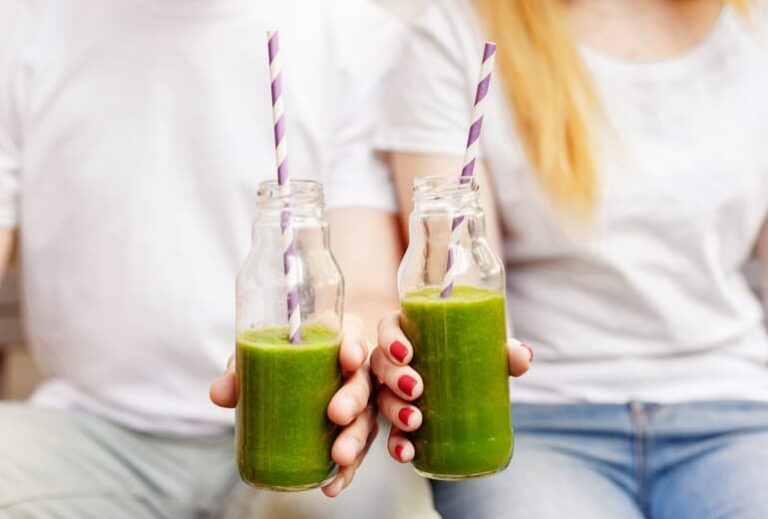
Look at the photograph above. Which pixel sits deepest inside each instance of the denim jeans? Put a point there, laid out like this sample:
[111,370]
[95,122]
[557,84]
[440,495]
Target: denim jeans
[696,460]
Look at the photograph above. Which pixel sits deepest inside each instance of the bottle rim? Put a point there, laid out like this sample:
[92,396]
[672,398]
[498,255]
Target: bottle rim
[299,193]
[443,187]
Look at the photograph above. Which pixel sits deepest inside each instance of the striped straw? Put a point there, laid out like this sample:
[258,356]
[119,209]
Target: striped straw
[470,158]
[283,180]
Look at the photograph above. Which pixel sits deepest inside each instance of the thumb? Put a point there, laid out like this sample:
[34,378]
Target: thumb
[520,357]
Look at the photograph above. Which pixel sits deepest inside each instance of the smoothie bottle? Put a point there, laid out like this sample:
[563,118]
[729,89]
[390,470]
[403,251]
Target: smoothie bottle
[283,435]
[459,342]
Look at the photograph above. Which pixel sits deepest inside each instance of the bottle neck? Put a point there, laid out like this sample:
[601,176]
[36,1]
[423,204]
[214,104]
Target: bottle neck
[447,232]
[451,195]
[302,198]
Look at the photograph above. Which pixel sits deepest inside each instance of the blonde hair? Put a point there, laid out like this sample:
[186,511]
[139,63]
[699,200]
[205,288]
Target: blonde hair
[550,93]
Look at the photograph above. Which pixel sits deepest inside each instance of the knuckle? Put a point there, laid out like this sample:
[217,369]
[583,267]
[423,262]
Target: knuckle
[389,321]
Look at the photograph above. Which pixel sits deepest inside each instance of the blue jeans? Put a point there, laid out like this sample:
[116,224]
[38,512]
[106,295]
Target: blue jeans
[698,460]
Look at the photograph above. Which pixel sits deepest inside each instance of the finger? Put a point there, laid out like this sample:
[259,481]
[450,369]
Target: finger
[399,413]
[349,450]
[393,341]
[353,439]
[403,380]
[400,448]
[354,347]
[223,390]
[351,399]
[346,473]
[520,356]
[343,478]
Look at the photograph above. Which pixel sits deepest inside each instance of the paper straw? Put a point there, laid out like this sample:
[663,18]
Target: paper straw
[283,180]
[470,158]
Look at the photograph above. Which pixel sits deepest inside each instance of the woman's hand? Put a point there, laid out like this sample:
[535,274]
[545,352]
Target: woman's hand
[349,407]
[401,384]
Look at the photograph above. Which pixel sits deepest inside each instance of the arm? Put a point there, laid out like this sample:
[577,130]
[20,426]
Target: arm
[7,240]
[761,253]
[368,247]
[13,32]
[7,244]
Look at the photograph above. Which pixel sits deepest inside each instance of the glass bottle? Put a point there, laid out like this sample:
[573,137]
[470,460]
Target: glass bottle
[459,342]
[283,434]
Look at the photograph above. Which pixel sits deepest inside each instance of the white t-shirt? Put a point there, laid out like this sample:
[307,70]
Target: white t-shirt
[133,136]
[651,305]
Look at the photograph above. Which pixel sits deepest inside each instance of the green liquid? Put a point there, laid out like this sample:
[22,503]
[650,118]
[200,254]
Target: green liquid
[459,348]
[284,436]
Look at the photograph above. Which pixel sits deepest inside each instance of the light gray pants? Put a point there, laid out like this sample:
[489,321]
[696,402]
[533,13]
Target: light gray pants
[61,465]
[65,465]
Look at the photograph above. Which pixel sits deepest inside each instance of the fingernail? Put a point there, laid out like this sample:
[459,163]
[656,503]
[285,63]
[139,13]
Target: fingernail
[399,452]
[398,351]
[530,350]
[337,485]
[404,414]
[406,383]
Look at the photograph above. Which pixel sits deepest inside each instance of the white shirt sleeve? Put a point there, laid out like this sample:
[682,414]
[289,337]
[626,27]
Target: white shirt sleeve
[761,15]
[10,20]
[431,94]
[365,49]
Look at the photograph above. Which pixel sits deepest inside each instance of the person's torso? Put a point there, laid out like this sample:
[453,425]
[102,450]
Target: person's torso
[650,303]
[147,128]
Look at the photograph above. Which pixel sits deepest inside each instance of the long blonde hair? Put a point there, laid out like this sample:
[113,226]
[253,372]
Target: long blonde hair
[551,94]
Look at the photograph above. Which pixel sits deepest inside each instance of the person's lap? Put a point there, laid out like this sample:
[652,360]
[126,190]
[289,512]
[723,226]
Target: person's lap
[556,471]
[57,464]
[382,489]
[697,460]
[61,465]
[722,468]
[540,484]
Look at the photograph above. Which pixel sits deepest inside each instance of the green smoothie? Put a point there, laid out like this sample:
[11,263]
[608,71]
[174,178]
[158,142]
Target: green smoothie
[459,349]
[284,436]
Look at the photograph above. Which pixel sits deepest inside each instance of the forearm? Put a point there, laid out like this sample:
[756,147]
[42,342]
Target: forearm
[370,306]
[368,247]
[7,241]
[761,253]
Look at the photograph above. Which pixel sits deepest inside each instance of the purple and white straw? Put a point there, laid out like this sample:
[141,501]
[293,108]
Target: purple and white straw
[470,158]
[283,180]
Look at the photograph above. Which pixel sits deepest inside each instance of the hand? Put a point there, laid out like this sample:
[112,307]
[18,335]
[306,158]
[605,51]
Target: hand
[348,408]
[402,384]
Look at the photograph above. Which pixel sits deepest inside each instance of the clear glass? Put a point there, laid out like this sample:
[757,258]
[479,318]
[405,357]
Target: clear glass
[283,434]
[459,341]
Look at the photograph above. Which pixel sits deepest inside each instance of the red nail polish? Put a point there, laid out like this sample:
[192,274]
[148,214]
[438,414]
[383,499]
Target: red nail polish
[404,414]
[406,383]
[398,351]
[530,350]
[399,452]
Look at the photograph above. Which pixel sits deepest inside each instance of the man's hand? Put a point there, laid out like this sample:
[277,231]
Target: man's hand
[349,407]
